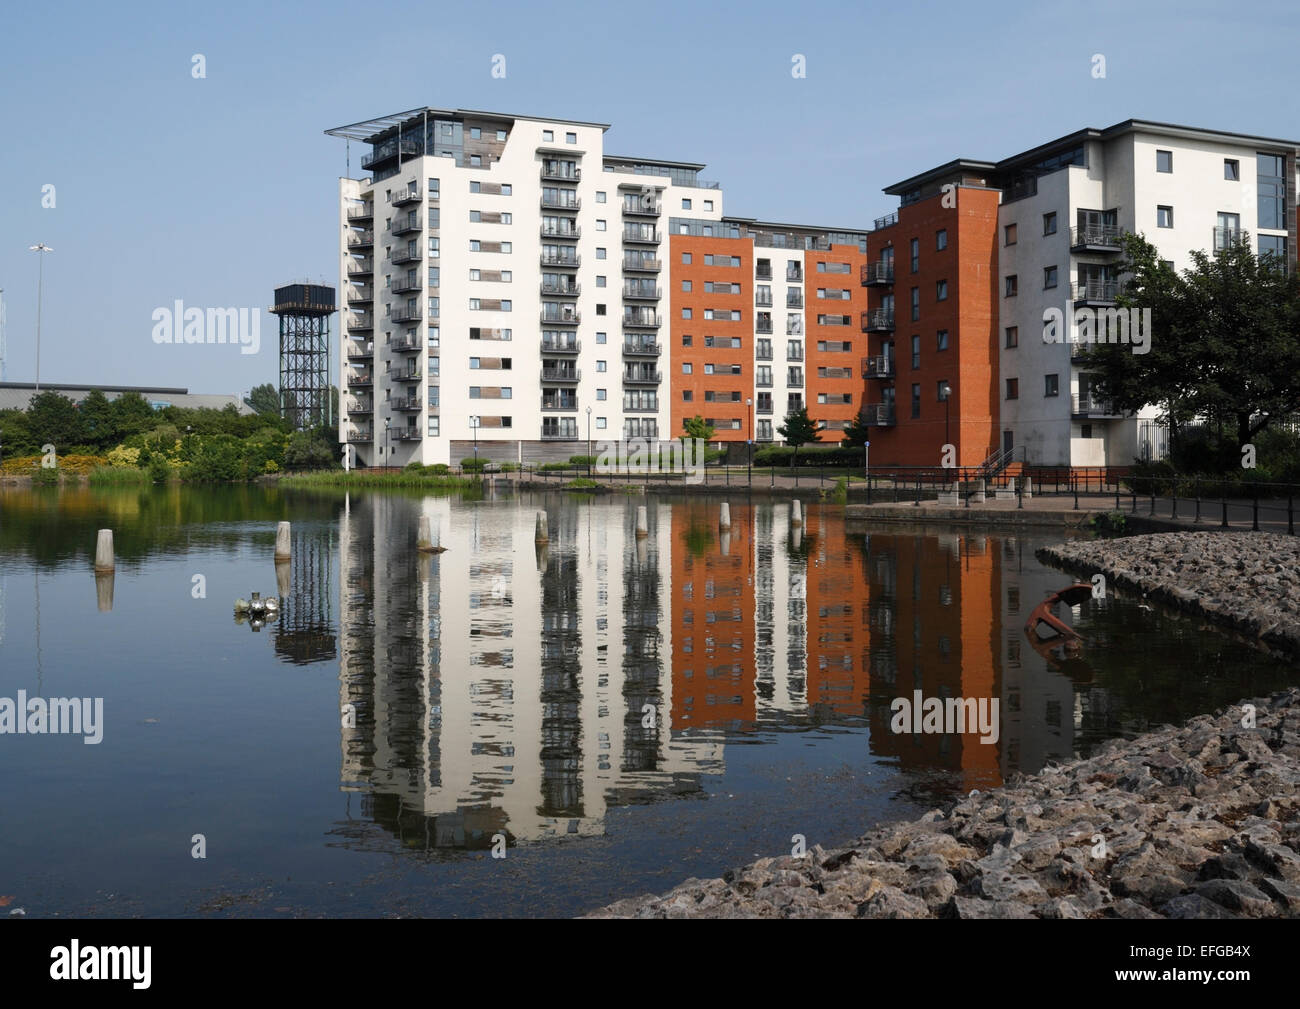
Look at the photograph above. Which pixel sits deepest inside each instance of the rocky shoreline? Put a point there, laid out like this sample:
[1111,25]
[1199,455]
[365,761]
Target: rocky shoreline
[1246,581]
[1201,821]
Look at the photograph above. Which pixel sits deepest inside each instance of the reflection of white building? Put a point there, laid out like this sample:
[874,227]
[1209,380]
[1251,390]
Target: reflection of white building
[503,687]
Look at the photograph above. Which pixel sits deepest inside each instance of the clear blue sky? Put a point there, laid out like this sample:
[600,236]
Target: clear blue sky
[215,191]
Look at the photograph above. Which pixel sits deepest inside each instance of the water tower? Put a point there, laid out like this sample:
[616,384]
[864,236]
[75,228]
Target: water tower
[304,311]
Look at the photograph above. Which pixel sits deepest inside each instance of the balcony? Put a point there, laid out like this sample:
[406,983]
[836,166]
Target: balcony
[645,236]
[880,366]
[360,295]
[561,172]
[793,300]
[360,406]
[877,320]
[884,222]
[794,355]
[407,314]
[763,326]
[880,274]
[642,264]
[572,262]
[364,212]
[1087,405]
[361,268]
[762,408]
[407,255]
[404,434]
[642,377]
[639,208]
[1224,237]
[1096,238]
[559,404]
[639,348]
[404,376]
[763,382]
[405,344]
[550,347]
[361,380]
[361,351]
[567,434]
[643,293]
[565,200]
[763,299]
[643,320]
[361,239]
[412,223]
[561,376]
[410,196]
[389,150]
[404,286]
[360,323]
[358,436]
[570,232]
[763,273]
[878,415]
[763,353]
[1096,292]
[407,404]
[561,290]
[569,318]
[793,276]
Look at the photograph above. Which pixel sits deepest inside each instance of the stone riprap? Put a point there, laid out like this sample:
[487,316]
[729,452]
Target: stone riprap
[1246,581]
[1201,821]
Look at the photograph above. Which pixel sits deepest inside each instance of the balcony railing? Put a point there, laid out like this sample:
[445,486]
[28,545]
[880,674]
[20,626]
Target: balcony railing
[642,349]
[880,366]
[407,404]
[405,434]
[361,351]
[390,149]
[643,293]
[763,272]
[1087,405]
[878,415]
[642,377]
[407,255]
[406,196]
[763,354]
[763,382]
[572,262]
[557,231]
[794,276]
[360,295]
[1224,237]
[561,173]
[565,434]
[405,344]
[884,222]
[879,274]
[360,239]
[562,202]
[644,264]
[364,212]
[877,320]
[361,380]
[562,318]
[640,208]
[567,376]
[763,326]
[1096,238]
[1096,292]
[360,323]
[549,347]
[793,300]
[643,320]
[359,436]
[647,236]
[568,404]
[407,314]
[360,406]
[404,376]
[561,290]
[763,300]
[361,268]
[402,286]
[412,223]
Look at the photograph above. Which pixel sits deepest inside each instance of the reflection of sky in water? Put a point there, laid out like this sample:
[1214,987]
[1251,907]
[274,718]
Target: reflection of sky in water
[650,709]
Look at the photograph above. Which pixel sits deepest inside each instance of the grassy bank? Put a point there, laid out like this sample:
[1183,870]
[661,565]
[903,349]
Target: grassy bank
[370,478]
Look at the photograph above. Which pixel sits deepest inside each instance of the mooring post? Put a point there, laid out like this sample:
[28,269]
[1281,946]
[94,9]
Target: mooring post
[724,516]
[1028,492]
[796,512]
[282,539]
[642,522]
[541,535]
[424,538]
[283,579]
[104,559]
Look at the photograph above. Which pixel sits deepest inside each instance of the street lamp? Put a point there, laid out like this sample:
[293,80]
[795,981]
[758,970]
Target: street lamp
[945,393]
[387,422]
[39,247]
[473,423]
[588,443]
[749,461]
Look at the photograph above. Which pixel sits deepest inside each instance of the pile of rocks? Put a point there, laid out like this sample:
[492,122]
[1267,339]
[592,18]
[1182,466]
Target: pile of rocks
[1247,581]
[1194,822]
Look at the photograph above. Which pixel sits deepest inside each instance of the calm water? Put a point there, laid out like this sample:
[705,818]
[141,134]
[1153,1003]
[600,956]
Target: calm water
[624,713]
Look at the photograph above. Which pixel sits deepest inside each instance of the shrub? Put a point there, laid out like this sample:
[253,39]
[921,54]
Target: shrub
[582,483]
[509,467]
[783,455]
[45,476]
[122,456]
[582,460]
[474,465]
[414,467]
[159,469]
[439,469]
[110,476]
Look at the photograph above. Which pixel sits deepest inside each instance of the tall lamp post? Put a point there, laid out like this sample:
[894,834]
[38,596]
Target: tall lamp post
[40,248]
[749,460]
[473,424]
[945,394]
[588,443]
[387,423]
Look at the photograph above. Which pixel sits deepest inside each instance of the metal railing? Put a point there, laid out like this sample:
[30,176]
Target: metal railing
[881,272]
[879,366]
[878,415]
[550,347]
[1103,291]
[1104,237]
[877,320]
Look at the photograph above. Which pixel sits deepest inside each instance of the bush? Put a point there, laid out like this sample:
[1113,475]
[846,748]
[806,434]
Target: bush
[159,469]
[509,467]
[439,469]
[414,467]
[117,476]
[123,457]
[474,465]
[582,483]
[583,460]
[784,455]
[45,476]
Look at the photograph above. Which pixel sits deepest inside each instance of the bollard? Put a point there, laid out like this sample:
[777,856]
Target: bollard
[104,590]
[724,542]
[724,516]
[980,492]
[1028,492]
[642,522]
[541,535]
[104,560]
[796,512]
[424,538]
[282,541]
[796,537]
[282,579]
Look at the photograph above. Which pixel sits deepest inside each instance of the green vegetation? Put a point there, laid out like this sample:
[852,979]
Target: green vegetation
[425,477]
[799,429]
[830,455]
[697,427]
[119,476]
[582,483]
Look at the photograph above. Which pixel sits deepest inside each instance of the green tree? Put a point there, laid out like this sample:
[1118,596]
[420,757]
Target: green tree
[54,419]
[264,399]
[697,427]
[857,434]
[132,414]
[799,429]
[1222,344]
[99,426]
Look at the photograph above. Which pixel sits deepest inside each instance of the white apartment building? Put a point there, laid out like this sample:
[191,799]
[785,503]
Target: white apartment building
[503,288]
[1064,207]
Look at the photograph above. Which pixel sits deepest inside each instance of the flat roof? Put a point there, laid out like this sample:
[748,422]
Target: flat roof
[368,129]
[657,162]
[101,388]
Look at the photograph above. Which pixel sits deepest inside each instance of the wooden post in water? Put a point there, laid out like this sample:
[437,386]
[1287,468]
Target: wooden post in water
[104,590]
[424,538]
[283,581]
[282,539]
[542,535]
[642,522]
[104,559]
[796,512]
[724,516]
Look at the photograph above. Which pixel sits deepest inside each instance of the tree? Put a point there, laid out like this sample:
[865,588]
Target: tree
[799,429]
[264,399]
[1222,344]
[132,414]
[857,434]
[54,419]
[98,425]
[698,427]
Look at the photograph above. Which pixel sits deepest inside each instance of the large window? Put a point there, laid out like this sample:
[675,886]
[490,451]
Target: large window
[1273,246]
[1271,180]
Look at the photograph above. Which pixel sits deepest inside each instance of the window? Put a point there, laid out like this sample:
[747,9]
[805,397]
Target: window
[708,204]
[473,362]
[600,197]
[1013,336]
[688,368]
[941,340]
[1231,170]
[1274,247]
[941,239]
[686,258]
[1227,231]
[473,304]
[433,188]
[600,423]
[687,395]
[1164,161]
[475,217]
[1051,385]
[548,136]
[507,247]
[600,225]
[571,138]
[686,285]
[506,305]
[600,366]
[1013,282]
[476,161]
[916,304]
[1049,277]
[916,400]
[916,352]
[475,133]
[686,313]
[601,253]
[941,290]
[1271,183]
[600,309]
[506,190]
[686,339]
[1049,223]
[474,275]
[600,394]
[916,255]
[501,134]
[686,204]
[1013,388]
[600,281]
[1009,235]
[1164,217]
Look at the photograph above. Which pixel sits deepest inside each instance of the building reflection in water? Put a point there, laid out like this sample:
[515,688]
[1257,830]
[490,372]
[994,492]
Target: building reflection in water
[506,688]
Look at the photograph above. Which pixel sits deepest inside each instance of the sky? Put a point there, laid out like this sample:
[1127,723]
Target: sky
[216,190]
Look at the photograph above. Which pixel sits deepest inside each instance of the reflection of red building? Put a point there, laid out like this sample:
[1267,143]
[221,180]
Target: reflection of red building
[839,634]
[713,617]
